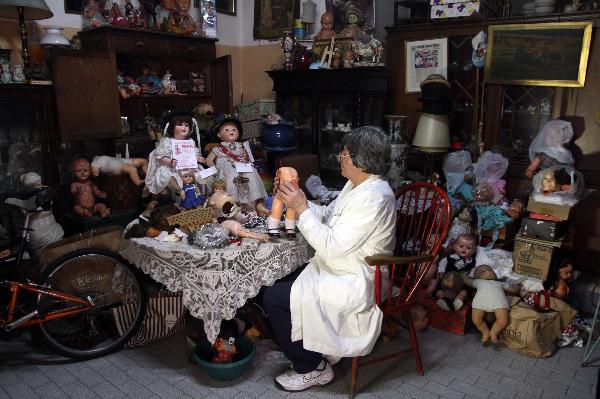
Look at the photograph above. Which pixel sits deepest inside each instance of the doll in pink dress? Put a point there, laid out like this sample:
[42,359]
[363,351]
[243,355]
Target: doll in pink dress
[491,168]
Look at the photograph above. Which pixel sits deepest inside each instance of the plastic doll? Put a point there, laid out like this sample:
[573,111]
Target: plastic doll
[162,172]
[457,169]
[117,166]
[192,198]
[548,184]
[491,168]
[326,32]
[547,148]
[84,191]
[354,16]
[233,162]
[460,225]
[560,275]
[227,212]
[489,297]
[290,175]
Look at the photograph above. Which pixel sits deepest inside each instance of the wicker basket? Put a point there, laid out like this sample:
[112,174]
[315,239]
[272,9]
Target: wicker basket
[192,219]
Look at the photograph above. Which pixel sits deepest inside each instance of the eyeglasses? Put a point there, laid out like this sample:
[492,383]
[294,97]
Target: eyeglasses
[342,156]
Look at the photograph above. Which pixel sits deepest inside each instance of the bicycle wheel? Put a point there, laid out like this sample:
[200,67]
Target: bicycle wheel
[111,284]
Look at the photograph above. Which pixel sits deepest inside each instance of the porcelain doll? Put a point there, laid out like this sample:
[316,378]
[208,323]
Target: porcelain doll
[233,162]
[18,74]
[162,167]
[117,166]
[326,31]
[192,198]
[6,77]
[548,184]
[290,175]
[354,16]
[179,20]
[84,191]
[548,148]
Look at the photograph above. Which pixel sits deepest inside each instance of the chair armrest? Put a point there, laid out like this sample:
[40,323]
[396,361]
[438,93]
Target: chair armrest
[398,260]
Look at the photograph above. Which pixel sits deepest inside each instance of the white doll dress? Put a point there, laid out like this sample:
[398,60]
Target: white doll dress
[490,295]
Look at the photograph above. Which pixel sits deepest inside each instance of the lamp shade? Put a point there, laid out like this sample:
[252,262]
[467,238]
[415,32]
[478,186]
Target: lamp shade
[32,9]
[432,133]
[54,37]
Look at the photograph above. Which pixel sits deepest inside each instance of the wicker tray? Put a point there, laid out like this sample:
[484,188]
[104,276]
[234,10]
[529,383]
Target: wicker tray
[192,219]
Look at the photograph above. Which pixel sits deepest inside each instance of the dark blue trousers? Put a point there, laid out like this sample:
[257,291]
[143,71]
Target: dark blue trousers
[277,304]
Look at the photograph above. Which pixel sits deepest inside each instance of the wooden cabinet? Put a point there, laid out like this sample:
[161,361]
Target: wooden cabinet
[88,103]
[325,104]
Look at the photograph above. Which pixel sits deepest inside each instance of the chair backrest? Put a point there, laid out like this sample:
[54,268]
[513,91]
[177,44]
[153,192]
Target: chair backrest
[423,218]
[305,165]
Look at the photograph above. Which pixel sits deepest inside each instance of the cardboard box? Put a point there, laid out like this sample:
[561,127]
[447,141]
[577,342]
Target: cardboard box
[255,110]
[252,129]
[561,212]
[466,9]
[532,257]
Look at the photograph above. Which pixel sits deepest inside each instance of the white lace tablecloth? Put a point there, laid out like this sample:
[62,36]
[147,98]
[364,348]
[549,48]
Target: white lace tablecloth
[215,283]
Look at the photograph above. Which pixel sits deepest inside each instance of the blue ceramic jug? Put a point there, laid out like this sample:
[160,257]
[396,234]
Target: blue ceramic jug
[278,136]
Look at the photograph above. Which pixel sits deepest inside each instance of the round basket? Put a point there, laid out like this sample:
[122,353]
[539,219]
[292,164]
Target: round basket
[226,371]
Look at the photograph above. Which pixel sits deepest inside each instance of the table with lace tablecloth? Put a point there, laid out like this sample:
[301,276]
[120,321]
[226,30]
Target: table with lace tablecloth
[217,282]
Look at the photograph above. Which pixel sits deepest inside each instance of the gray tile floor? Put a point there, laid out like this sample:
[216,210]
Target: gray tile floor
[455,367]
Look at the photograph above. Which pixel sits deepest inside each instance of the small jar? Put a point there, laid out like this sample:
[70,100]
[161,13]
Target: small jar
[299,29]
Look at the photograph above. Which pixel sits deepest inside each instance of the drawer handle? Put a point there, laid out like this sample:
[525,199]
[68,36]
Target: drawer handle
[192,49]
[140,43]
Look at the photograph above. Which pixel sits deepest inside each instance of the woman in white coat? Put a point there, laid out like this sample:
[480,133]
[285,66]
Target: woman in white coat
[328,311]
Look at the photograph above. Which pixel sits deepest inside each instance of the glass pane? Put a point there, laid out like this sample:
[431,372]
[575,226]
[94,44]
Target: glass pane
[335,120]
[299,110]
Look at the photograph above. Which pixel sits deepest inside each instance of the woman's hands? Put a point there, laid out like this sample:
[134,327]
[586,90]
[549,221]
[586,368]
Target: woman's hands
[291,196]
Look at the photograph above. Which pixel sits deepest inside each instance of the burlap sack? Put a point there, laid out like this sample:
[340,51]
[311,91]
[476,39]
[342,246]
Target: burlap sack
[108,237]
[535,333]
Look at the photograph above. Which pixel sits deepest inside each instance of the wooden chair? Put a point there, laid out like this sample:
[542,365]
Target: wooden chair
[423,216]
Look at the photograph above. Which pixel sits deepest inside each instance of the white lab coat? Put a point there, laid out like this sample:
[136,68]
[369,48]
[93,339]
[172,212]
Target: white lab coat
[332,302]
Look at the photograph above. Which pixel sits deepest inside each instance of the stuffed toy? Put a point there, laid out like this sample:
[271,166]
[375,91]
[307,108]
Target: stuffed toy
[451,295]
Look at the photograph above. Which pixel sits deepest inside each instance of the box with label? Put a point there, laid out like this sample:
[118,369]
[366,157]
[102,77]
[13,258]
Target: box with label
[543,229]
[255,110]
[532,257]
[561,212]
[453,10]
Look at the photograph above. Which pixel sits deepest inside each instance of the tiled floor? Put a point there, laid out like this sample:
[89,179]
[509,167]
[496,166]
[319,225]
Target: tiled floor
[455,367]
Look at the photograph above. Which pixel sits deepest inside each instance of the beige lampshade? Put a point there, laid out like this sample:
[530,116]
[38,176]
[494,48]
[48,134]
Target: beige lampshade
[432,133]
[32,9]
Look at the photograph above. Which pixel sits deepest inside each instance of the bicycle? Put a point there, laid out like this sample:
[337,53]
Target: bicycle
[75,301]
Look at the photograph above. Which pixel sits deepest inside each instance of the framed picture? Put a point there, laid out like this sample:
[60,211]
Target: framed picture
[208,17]
[73,6]
[273,17]
[548,54]
[423,58]
[340,8]
[228,7]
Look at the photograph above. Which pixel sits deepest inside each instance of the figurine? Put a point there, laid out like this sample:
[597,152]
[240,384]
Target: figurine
[233,162]
[92,16]
[116,16]
[192,198]
[84,191]
[6,77]
[149,7]
[376,50]
[179,20]
[548,148]
[451,295]
[548,184]
[149,83]
[168,85]
[348,58]
[326,31]
[354,16]
[117,166]
[290,175]
[18,74]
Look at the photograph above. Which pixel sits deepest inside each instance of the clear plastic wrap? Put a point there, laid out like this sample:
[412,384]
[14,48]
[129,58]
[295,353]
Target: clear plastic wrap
[456,166]
[210,236]
[491,168]
[551,140]
[569,183]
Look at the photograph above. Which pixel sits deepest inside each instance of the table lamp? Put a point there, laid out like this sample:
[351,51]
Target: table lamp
[432,133]
[22,10]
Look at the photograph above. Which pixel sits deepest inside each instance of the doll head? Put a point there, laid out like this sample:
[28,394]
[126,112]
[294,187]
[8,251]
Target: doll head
[465,246]
[179,124]
[327,20]
[188,177]
[483,193]
[561,270]
[515,209]
[81,169]
[485,272]
[548,183]
[183,5]
[354,16]
[227,128]
[285,173]
[218,185]
[419,317]
[452,281]
[465,215]
[223,204]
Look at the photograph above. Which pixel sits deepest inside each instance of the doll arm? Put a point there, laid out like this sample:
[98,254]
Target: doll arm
[98,192]
[167,161]
[75,188]
[533,166]
[468,280]
[210,159]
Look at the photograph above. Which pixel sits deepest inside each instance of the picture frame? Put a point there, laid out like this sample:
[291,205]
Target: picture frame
[545,54]
[228,7]
[274,17]
[423,58]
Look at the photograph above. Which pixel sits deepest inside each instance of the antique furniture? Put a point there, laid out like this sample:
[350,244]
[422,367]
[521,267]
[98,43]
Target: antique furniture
[422,223]
[327,103]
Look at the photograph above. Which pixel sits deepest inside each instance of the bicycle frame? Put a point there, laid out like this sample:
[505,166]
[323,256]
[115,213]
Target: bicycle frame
[33,317]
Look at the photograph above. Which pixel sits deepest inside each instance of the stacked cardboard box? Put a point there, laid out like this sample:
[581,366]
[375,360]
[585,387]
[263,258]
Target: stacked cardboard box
[250,115]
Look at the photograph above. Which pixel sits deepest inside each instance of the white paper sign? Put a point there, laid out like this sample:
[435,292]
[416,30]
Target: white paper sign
[243,167]
[247,148]
[204,173]
[184,151]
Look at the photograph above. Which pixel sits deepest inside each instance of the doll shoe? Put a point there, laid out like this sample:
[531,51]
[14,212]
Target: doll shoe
[291,233]
[445,304]
[273,232]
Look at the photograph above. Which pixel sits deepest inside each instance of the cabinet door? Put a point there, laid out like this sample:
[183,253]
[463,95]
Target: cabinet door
[221,84]
[85,85]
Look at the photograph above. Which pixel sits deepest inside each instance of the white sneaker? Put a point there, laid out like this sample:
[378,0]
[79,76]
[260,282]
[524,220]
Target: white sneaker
[333,360]
[293,381]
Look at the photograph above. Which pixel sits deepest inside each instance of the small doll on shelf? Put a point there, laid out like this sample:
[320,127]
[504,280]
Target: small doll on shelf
[234,163]
[326,31]
[192,198]
[162,165]
[117,166]
[84,191]
[354,16]
[548,148]
[284,174]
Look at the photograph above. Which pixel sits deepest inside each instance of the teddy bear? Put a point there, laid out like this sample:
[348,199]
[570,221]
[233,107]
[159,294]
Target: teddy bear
[451,295]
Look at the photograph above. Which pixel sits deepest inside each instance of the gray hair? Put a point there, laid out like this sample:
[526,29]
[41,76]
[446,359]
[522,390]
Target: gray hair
[370,149]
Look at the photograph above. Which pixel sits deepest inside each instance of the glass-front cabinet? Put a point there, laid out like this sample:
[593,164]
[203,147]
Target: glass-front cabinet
[326,104]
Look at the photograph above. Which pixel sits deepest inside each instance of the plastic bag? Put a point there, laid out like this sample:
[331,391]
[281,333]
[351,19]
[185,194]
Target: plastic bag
[551,140]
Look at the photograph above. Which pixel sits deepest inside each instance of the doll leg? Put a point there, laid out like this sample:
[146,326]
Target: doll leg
[81,211]
[132,171]
[500,323]
[140,163]
[459,301]
[250,234]
[290,223]
[275,217]
[477,317]
[102,210]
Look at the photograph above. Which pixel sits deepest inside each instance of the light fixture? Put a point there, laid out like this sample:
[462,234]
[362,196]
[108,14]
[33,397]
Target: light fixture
[54,37]
[432,133]
[22,10]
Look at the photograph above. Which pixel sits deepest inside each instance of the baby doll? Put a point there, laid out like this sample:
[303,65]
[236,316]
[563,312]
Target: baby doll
[451,296]
[354,16]
[227,213]
[84,191]
[162,167]
[233,162]
[460,225]
[117,166]
[491,168]
[515,209]
[559,277]
[548,184]
[190,192]
[326,31]
[489,298]
[290,175]
[547,148]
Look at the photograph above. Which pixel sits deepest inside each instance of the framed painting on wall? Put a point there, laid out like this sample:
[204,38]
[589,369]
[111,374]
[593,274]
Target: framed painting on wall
[424,58]
[547,54]
[273,17]
[228,7]
[340,9]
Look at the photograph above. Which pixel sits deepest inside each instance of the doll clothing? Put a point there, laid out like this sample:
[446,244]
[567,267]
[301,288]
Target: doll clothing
[490,295]
[227,154]
[455,263]
[191,200]
[110,165]
[546,161]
